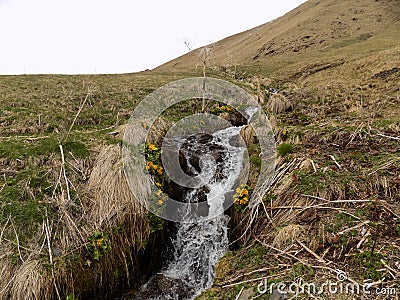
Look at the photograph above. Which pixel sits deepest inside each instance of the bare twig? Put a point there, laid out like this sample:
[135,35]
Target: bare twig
[4,228]
[240,293]
[77,114]
[335,161]
[245,274]
[319,258]
[17,239]
[388,136]
[64,172]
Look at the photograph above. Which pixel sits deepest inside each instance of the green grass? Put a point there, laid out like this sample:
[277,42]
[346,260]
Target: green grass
[285,149]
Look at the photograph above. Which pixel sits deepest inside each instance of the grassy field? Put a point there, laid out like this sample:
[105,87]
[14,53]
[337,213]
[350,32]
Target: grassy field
[70,229]
[336,206]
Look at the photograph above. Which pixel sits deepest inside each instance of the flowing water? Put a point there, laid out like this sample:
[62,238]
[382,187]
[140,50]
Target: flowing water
[202,241]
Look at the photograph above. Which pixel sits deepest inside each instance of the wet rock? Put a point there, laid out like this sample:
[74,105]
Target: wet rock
[236,119]
[159,287]
[248,135]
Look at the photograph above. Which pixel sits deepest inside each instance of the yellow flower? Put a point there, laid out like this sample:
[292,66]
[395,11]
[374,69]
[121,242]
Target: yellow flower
[236,201]
[99,241]
[158,184]
[160,171]
[244,193]
[242,201]
[238,190]
[160,202]
[149,164]
[159,193]
[152,147]
[154,167]
[245,200]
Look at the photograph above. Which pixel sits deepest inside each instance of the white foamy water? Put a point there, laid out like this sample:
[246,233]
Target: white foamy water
[198,246]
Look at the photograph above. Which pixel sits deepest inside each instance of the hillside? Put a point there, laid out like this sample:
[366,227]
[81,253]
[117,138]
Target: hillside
[327,74]
[317,32]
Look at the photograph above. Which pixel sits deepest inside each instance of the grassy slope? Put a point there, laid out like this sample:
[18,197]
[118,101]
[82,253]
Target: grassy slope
[344,90]
[36,112]
[338,64]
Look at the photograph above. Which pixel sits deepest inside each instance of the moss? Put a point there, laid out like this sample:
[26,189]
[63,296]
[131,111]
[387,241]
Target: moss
[77,148]
[284,149]
[20,148]
[370,262]
[156,223]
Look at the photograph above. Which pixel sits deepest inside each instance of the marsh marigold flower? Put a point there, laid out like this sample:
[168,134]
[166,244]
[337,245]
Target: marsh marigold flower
[152,147]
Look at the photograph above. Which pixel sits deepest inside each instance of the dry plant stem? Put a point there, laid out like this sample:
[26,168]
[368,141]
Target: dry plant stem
[335,161]
[77,114]
[313,165]
[354,227]
[17,239]
[252,280]
[313,206]
[319,258]
[64,172]
[4,228]
[388,136]
[283,253]
[48,237]
[388,164]
[20,246]
[240,293]
[357,131]
[246,274]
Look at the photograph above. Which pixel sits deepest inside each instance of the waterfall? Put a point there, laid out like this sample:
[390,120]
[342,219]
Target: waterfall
[201,242]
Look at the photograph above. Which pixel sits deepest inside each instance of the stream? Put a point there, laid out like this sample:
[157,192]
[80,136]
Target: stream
[202,240]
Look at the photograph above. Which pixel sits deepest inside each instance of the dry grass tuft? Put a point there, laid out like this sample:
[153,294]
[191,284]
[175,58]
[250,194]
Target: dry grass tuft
[111,195]
[31,282]
[278,103]
[288,234]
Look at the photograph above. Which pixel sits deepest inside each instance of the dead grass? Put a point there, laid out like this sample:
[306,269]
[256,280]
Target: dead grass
[84,204]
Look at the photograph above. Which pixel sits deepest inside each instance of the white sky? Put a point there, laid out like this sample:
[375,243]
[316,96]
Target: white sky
[120,36]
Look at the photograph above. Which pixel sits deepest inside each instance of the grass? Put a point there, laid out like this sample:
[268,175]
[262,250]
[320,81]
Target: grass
[338,108]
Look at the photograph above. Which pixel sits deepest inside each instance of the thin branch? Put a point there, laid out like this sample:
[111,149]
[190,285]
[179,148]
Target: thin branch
[388,136]
[77,114]
[4,228]
[64,172]
[335,161]
[17,238]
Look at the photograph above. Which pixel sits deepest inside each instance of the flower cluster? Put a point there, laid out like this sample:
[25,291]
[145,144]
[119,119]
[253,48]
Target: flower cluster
[221,109]
[98,245]
[151,147]
[241,196]
[154,169]
[161,197]
[226,108]
[153,164]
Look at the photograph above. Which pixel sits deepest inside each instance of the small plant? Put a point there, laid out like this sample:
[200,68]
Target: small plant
[398,230]
[284,149]
[371,263]
[98,245]
[153,165]
[70,296]
[221,109]
[156,223]
[241,197]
